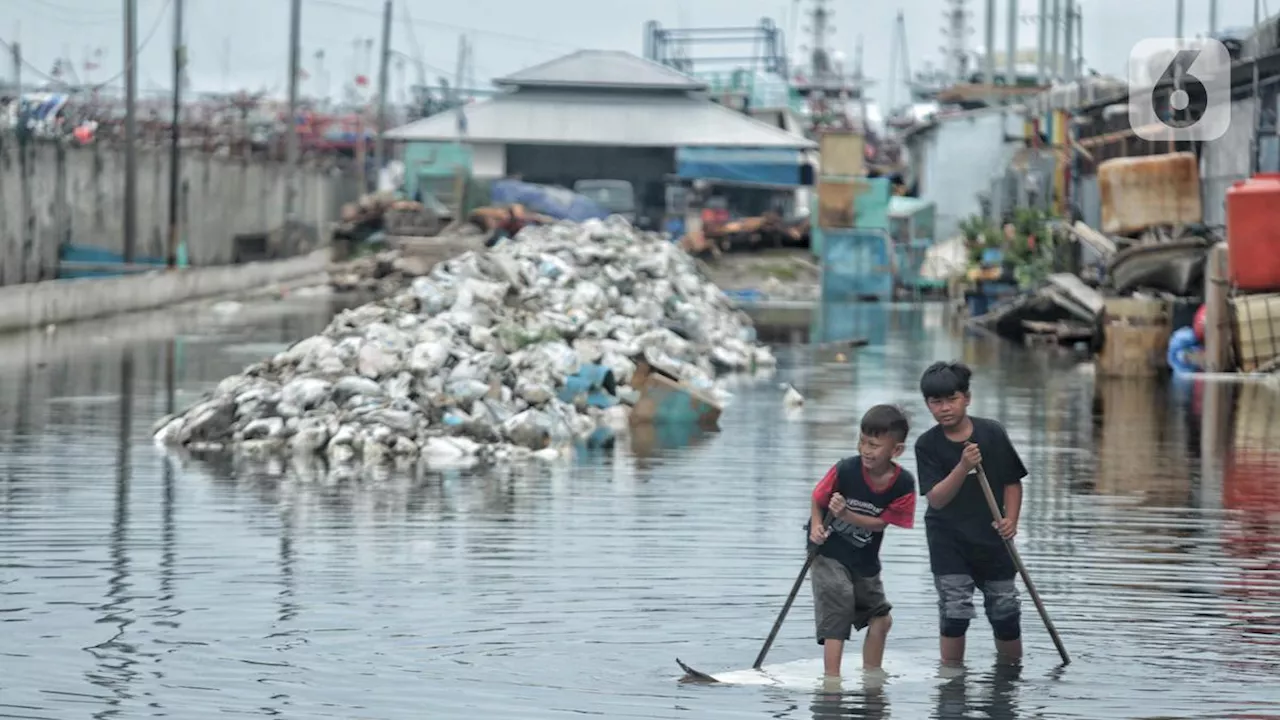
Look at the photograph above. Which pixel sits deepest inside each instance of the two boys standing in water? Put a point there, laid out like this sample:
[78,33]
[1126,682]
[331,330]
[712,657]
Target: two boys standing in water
[862,495]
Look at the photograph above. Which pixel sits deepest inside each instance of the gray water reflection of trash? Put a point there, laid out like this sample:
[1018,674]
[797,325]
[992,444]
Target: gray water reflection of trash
[132,586]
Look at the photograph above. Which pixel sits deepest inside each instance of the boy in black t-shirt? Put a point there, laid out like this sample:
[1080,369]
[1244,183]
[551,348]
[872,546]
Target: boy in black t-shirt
[864,494]
[966,546]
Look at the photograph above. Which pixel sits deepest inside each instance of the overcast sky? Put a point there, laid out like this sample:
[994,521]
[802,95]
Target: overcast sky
[235,44]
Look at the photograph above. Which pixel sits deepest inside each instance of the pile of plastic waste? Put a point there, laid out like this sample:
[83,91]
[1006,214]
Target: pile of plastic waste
[523,349]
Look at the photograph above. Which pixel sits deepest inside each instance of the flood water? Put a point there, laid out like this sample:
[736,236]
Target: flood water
[132,586]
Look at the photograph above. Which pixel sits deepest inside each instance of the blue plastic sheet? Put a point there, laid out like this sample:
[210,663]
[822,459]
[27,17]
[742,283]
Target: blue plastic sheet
[556,202]
[757,166]
[596,381]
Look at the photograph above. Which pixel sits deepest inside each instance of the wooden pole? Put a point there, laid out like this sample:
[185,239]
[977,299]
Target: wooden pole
[1022,569]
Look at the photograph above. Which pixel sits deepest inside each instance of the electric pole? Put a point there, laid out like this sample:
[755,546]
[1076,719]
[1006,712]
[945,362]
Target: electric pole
[1068,43]
[1042,30]
[291,142]
[130,128]
[379,150]
[175,157]
[989,39]
[1055,50]
[1011,62]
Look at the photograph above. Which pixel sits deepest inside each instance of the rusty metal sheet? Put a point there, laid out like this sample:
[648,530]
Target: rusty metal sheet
[835,204]
[1142,192]
[842,154]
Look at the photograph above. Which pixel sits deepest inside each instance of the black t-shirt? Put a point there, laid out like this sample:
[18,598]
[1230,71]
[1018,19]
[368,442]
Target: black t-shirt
[967,517]
[855,547]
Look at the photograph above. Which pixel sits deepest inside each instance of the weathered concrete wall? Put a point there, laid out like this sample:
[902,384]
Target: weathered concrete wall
[56,195]
[33,305]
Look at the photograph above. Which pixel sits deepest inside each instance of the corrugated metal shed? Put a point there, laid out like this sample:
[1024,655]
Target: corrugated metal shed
[601,69]
[616,119]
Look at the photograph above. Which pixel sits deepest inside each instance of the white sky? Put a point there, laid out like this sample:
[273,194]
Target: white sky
[236,44]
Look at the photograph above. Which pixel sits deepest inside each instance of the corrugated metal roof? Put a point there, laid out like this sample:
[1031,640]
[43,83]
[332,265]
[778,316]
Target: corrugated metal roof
[569,118]
[601,69]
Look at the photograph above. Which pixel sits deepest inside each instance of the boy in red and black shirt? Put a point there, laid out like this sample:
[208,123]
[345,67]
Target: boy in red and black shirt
[864,494]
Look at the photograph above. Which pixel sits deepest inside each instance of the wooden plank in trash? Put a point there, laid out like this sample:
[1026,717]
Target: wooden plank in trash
[663,398]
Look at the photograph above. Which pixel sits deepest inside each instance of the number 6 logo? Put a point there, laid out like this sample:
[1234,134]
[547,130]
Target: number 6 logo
[1179,90]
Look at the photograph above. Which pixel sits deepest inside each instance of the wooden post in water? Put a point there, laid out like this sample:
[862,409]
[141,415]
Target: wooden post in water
[1217,325]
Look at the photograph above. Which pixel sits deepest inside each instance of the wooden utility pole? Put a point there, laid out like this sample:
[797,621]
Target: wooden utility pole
[175,155]
[379,148]
[130,128]
[291,143]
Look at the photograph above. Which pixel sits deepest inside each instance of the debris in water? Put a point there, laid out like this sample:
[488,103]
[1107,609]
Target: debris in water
[792,398]
[524,350]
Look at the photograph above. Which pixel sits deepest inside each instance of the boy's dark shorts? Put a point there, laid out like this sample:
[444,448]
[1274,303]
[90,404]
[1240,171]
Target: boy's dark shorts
[959,568]
[844,601]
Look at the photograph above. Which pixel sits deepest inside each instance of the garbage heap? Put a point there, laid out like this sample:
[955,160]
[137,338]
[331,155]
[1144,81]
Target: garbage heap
[483,359]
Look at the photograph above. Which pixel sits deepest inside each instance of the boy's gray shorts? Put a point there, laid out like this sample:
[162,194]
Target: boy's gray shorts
[843,601]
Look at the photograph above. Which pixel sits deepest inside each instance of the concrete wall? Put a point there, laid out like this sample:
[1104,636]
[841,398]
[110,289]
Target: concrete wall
[956,161]
[53,302]
[489,161]
[58,195]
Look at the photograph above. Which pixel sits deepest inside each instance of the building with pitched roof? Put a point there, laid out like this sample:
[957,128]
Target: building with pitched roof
[599,114]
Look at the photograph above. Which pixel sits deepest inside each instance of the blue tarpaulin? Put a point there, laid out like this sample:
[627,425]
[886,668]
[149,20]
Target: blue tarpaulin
[557,202]
[756,166]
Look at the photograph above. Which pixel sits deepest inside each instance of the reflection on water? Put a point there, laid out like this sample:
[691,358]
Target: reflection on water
[133,584]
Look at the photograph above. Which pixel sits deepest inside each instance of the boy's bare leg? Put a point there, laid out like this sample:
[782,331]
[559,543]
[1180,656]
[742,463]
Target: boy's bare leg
[952,650]
[832,654]
[873,645]
[1009,651]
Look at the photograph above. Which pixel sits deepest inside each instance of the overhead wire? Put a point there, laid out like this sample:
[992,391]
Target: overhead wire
[78,16]
[155,27]
[456,28]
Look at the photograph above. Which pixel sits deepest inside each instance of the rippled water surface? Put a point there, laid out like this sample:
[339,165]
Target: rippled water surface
[132,586]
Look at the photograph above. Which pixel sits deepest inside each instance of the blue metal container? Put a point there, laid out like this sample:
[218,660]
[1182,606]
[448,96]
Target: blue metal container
[857,265]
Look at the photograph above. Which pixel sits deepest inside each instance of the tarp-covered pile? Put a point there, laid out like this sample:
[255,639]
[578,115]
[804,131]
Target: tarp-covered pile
[469,364]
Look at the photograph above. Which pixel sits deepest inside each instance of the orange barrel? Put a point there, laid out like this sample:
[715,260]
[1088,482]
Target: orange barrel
[1249,480]
[1253,233]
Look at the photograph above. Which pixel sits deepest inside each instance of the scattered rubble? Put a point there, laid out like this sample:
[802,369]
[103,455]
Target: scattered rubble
[528,348]
[389,271]
[789,275]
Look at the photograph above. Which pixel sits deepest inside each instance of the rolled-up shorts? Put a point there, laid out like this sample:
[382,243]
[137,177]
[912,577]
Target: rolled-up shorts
[959,568]
[844,601]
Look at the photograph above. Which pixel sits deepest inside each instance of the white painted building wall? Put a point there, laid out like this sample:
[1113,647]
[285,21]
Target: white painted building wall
[489,161]
[956,160]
